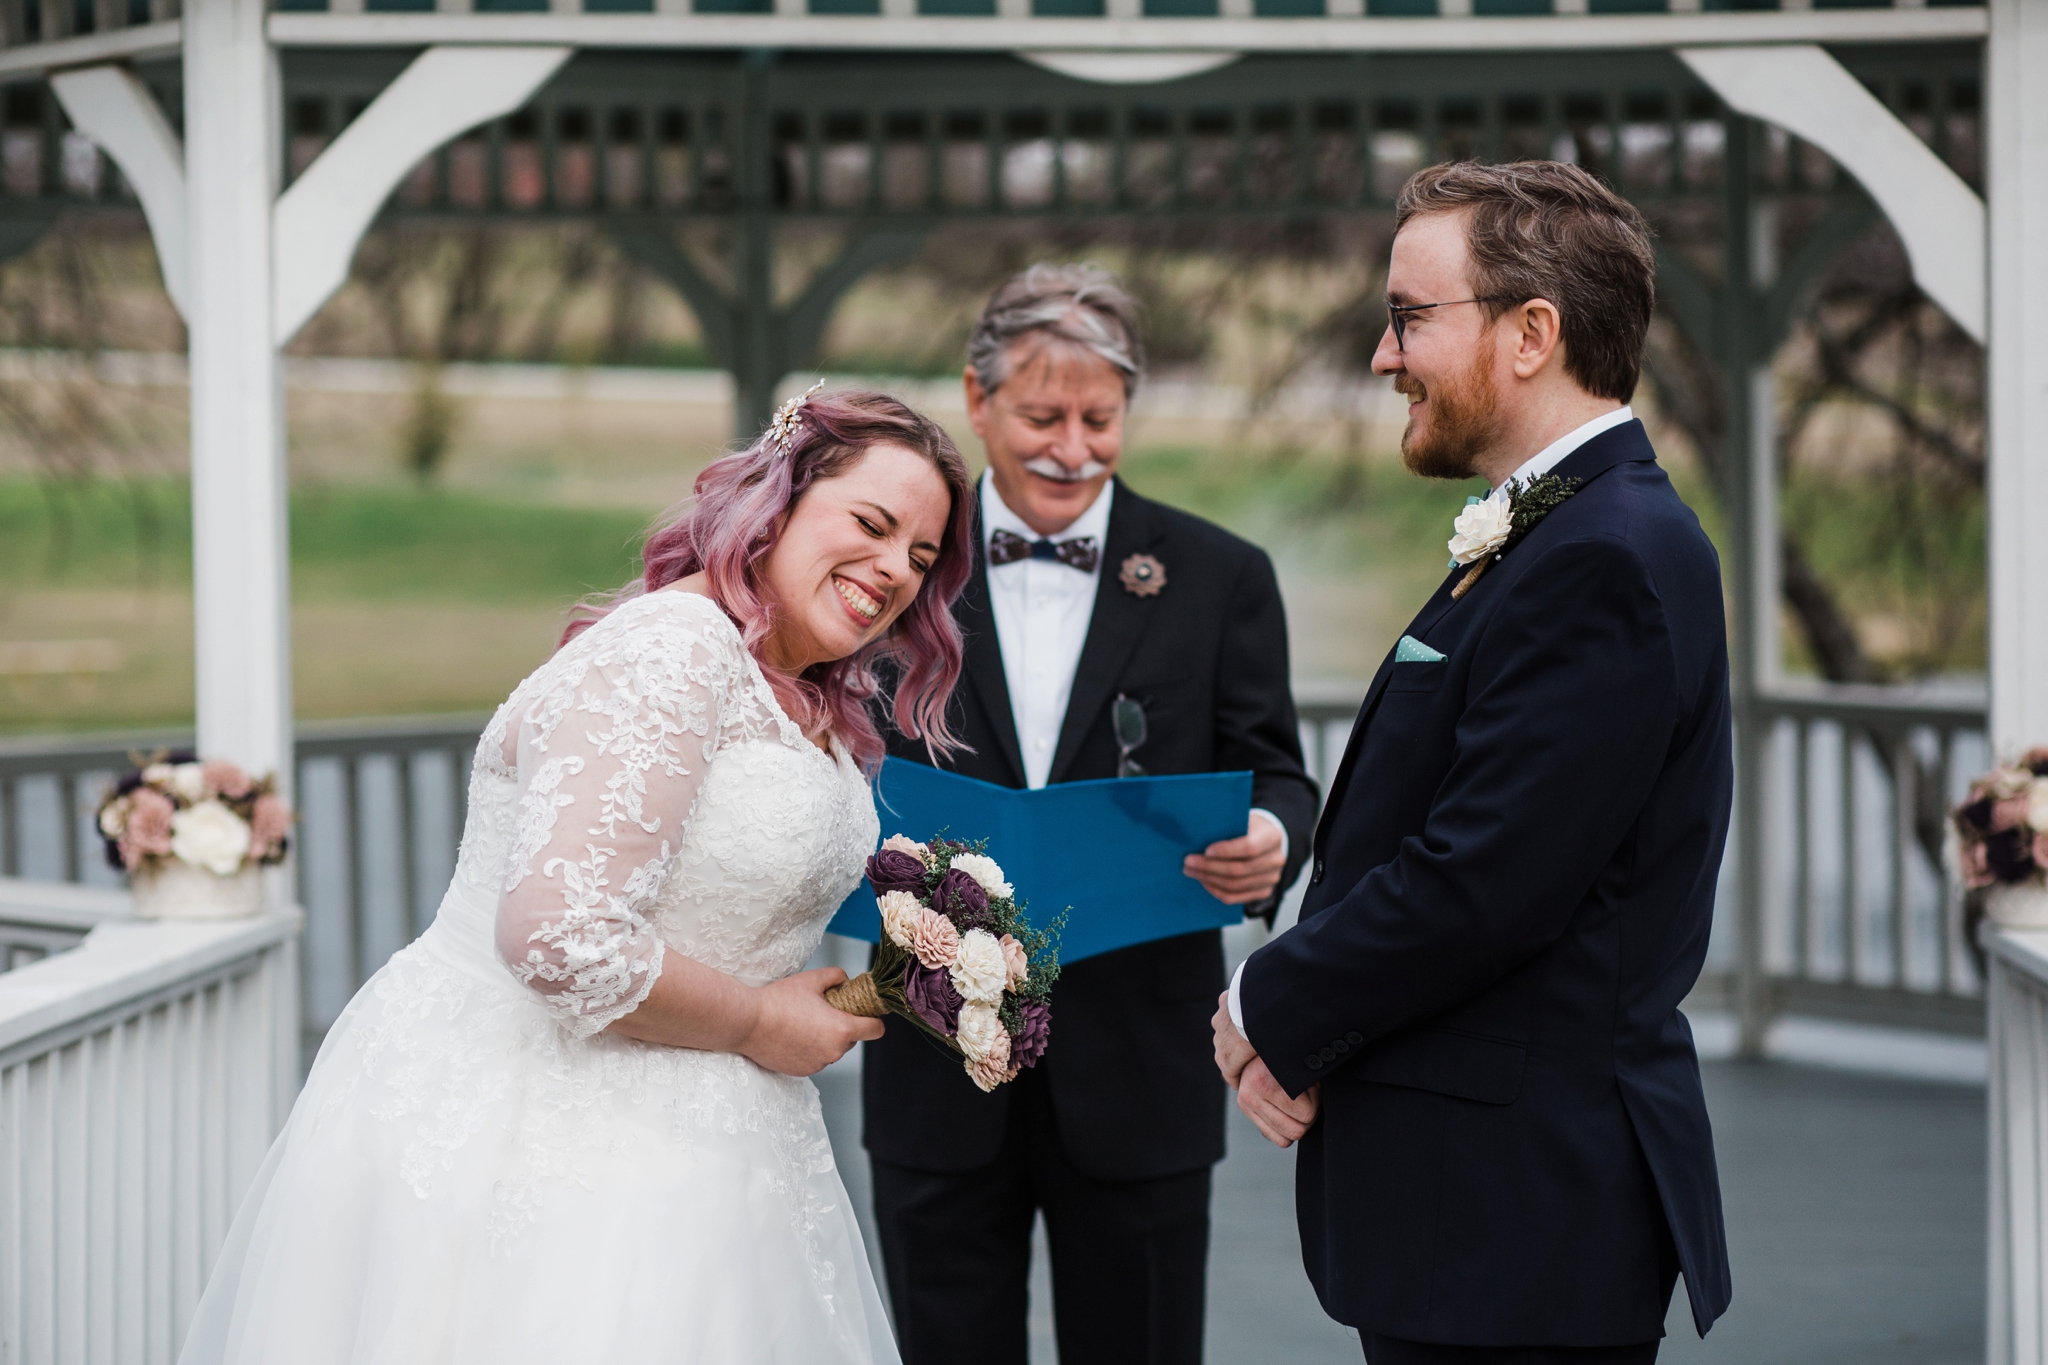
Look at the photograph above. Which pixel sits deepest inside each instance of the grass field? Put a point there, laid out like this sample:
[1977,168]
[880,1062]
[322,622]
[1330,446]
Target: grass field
[408,600]
[402,602]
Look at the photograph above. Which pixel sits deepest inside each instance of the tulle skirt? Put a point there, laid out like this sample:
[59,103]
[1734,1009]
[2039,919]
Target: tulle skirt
[462,1183]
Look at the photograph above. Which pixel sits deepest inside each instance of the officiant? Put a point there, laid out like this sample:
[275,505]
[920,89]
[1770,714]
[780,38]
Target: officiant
[1107,635]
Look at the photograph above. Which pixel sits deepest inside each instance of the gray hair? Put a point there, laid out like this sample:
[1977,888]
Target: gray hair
[1080,305]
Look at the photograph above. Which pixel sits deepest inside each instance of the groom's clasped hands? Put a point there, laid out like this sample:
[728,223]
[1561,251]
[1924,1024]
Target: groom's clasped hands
[1281,1117]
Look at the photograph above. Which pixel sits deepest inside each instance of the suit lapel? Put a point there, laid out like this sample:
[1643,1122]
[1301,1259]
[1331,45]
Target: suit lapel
[1618,445]
[983,664]
[1115,626]
[1432,612]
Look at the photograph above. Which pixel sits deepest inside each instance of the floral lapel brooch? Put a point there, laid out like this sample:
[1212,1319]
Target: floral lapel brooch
[1142,576]
[1489,527]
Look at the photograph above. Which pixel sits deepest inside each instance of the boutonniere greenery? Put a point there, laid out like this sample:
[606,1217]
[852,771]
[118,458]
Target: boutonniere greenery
[1489,527]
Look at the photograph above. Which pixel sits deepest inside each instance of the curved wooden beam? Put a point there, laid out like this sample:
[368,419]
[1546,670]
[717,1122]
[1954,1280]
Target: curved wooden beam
[110,106]
[321,219]
[1938,217]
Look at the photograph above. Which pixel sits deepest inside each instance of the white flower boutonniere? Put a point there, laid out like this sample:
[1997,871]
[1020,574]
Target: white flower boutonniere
[1489,528]
[1481,529]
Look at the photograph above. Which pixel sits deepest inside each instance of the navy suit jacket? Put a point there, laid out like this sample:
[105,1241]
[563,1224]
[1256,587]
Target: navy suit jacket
[1513,884]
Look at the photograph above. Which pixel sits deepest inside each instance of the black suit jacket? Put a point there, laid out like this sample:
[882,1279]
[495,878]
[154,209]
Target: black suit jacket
[1513,887]
[1130,1066]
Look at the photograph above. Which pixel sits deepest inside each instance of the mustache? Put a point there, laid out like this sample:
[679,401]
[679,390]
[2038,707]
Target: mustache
[1408,386]
[1048,468]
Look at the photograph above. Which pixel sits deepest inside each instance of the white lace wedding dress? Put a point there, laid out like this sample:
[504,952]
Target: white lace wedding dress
[475,1172]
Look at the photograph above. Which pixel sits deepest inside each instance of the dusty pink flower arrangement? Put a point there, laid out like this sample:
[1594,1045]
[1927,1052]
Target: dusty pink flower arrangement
[212,815]
[1999,834]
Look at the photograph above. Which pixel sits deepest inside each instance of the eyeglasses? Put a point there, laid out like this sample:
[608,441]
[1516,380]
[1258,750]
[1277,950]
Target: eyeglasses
[1127,718]
[1398,313]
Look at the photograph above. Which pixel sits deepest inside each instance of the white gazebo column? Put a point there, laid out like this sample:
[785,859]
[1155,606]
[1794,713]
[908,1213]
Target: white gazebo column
[241,586]
[2016,176]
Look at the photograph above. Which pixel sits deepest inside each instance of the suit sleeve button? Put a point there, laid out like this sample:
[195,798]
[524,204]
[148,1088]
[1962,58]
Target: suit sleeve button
[1313,1062]
[1355,1039]
[1329,1054]
[1340,1047]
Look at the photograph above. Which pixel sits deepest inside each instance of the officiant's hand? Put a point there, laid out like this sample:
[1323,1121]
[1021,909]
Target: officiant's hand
[1281,1119]
[1233,1050]
[1245,870]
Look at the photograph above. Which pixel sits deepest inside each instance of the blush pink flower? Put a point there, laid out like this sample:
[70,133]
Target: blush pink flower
[934,940]
[1014,959]
[146,827]
[993,1067]
[226,778]
[2011,812]
[149,821]
[1976,867]
[269,823]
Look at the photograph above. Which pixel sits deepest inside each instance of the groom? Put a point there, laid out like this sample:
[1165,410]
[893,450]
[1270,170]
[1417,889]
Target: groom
[1086,600]
[1474,1030]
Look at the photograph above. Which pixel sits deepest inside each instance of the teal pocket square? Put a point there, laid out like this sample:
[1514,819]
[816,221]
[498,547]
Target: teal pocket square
[1413,651]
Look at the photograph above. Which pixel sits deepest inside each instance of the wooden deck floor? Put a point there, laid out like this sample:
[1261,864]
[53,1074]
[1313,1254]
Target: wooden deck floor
[1855,1210]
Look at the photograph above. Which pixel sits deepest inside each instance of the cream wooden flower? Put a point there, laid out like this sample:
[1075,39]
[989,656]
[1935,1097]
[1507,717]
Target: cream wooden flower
[899,916]
[979,969]
[211,836]
[1481,529]
[980,1027]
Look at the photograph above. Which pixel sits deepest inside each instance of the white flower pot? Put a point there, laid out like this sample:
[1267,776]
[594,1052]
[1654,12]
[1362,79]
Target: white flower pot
[2017,905]
[171,888]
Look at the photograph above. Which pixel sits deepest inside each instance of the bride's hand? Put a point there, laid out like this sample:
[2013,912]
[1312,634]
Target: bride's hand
[795,1032]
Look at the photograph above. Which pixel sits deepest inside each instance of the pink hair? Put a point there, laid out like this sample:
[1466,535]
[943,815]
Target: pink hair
[731,524]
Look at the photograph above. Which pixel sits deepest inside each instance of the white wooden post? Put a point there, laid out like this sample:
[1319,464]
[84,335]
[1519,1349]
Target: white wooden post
[247,268]
[2017,177]
[241,573]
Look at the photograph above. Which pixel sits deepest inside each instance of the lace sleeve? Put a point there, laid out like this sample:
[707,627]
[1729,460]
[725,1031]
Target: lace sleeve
[611,754]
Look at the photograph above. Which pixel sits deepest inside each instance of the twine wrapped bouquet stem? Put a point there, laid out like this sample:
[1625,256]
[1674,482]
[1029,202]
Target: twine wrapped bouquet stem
[858,996]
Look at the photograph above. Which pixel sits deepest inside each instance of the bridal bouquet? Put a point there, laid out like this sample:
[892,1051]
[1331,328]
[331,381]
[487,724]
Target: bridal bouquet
[210,816]
[956,957]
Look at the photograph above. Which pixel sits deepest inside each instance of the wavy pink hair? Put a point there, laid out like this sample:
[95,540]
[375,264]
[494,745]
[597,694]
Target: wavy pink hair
[731,524]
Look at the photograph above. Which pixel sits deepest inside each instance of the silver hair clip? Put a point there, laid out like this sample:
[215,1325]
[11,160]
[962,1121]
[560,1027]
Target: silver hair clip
[788,419]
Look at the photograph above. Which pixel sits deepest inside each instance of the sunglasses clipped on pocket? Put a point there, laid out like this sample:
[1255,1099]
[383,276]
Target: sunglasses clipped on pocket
[1127,719]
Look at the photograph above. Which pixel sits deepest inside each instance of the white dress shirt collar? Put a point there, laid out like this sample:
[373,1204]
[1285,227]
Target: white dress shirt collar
[1553,454]
[997,516]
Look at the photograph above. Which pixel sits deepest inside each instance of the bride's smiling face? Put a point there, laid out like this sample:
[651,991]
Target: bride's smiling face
[852,556]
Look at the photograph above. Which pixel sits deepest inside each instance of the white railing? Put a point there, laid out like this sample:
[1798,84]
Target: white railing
[2017,1024]
[143,1074]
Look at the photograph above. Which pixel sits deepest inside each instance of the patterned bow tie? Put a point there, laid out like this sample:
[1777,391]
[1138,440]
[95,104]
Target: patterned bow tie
[1006,547]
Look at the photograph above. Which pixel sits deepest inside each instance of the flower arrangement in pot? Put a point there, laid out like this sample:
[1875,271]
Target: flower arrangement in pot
[1998,841]
[191,836]
[957,959]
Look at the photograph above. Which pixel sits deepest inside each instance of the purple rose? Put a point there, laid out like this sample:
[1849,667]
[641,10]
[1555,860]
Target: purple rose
[894,870]
[960,899]
[1034,1031]
[929,990]
[2010,852]
[1977,815]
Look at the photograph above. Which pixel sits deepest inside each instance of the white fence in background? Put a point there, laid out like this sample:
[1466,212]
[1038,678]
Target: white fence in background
[2018,1027]
[143,1074]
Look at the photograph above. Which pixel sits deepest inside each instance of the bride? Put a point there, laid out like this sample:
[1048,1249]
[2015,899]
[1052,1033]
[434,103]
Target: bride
[569,1122]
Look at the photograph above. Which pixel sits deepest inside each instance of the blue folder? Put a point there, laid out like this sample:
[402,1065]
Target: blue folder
[1109,851]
